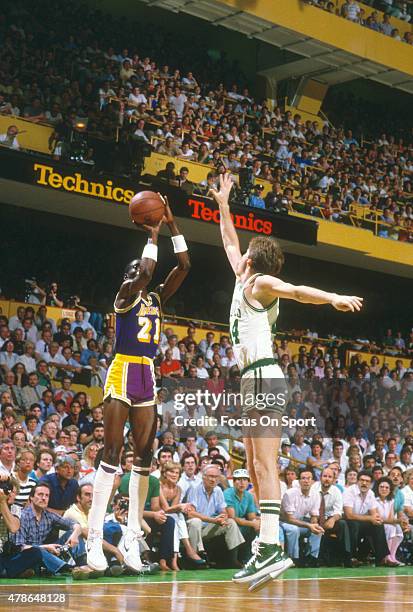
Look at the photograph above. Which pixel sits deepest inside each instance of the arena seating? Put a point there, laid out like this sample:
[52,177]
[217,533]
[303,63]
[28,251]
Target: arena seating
[87,89]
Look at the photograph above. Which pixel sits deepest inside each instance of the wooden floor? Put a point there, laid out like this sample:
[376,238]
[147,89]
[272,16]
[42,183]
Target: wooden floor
[352,593]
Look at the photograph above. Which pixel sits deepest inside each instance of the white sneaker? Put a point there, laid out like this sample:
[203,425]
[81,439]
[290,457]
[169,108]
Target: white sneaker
[129,547]
[95,557]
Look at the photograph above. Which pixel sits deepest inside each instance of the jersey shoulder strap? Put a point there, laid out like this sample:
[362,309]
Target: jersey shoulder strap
[254,308]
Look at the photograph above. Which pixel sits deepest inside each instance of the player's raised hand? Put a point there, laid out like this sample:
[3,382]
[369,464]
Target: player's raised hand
[225,186]
[169,217]
[347,303]
[154,229]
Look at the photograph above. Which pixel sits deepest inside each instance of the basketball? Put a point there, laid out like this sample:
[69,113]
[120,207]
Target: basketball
[146,208]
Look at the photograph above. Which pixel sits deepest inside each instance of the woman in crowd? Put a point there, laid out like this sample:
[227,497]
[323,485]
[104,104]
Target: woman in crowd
[391,518]
[87,464]
[170,496]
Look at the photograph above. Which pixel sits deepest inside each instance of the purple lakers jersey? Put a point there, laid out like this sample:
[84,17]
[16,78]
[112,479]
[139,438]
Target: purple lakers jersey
[138,327]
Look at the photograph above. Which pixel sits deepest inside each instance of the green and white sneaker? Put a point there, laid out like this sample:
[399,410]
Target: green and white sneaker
[266,559]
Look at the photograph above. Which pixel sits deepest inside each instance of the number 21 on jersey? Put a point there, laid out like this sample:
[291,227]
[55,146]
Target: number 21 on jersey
[144,334]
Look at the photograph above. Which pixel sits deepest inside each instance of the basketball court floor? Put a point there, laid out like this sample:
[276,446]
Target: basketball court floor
[313,590]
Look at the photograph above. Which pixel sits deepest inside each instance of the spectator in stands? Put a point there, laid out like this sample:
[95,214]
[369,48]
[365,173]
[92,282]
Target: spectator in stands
[37,525]
[210,518]
[7,457]
[9,139]
[170,501]
[300,510]
[363,519]
[14,564]
[331,511]
[391,519]
[158,522]
[25,461]
[189,477]
[241,507]
[255,199]
[62,486]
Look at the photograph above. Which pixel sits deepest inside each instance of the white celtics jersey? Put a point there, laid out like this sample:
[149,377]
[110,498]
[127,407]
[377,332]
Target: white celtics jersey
[252,329]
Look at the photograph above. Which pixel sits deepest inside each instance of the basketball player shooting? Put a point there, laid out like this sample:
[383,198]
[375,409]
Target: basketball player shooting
[130,390]
[254,312]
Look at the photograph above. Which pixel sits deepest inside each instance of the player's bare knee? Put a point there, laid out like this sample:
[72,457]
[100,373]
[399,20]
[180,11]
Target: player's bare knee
[263,467]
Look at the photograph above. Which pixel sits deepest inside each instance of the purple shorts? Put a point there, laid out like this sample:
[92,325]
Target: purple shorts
[131,380]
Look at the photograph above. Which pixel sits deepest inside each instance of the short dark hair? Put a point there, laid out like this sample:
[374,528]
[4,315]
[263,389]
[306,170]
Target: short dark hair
[266,255]
[166,449]
[38,486]
[187,456]
[303,470]
[364,473]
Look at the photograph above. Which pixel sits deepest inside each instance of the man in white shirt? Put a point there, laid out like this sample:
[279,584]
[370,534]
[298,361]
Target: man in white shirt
[201,370]
[351,10]
[300,509]
[27,359]
[29,330]
[136,97]
[9,139]
[189,478]
[80,322]
[171,344]
[363,519]
[43,345]
[229,360]
[17,320]
[336,530]
[212,441]
[177,100]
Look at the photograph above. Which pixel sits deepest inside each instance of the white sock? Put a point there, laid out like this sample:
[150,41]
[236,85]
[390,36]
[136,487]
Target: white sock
[102,488]
[138,490]
[270,521]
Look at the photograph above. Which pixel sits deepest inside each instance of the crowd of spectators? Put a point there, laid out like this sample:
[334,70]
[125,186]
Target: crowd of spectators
[346,455]
[378,20]
[74,78]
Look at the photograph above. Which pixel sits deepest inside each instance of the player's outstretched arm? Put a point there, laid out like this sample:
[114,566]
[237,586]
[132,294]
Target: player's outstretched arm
[178,274]
[228,233]
[131,286]
[268,287]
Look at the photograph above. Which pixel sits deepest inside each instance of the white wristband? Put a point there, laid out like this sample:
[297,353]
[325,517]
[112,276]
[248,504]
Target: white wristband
[179,244]
[150,251]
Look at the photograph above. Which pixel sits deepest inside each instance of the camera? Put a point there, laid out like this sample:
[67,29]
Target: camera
[7,486]
[66,555]
[124,504]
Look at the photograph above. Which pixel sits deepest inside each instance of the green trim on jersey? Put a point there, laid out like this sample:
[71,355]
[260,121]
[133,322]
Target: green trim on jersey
[261,363]
[258,309]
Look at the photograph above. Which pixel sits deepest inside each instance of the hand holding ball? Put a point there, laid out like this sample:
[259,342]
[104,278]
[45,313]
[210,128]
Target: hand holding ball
[147,208]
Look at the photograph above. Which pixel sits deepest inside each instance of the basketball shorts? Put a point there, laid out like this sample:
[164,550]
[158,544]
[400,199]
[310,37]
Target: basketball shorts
[131,380]
[263,388]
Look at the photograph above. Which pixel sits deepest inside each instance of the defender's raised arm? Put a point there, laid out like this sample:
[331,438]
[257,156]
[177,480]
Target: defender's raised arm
[267,287]
[228,233]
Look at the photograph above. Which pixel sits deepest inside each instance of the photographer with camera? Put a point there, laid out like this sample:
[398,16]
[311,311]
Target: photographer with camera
[13,562]
[37,528]
[119,519]
[255,199]
[33,293]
